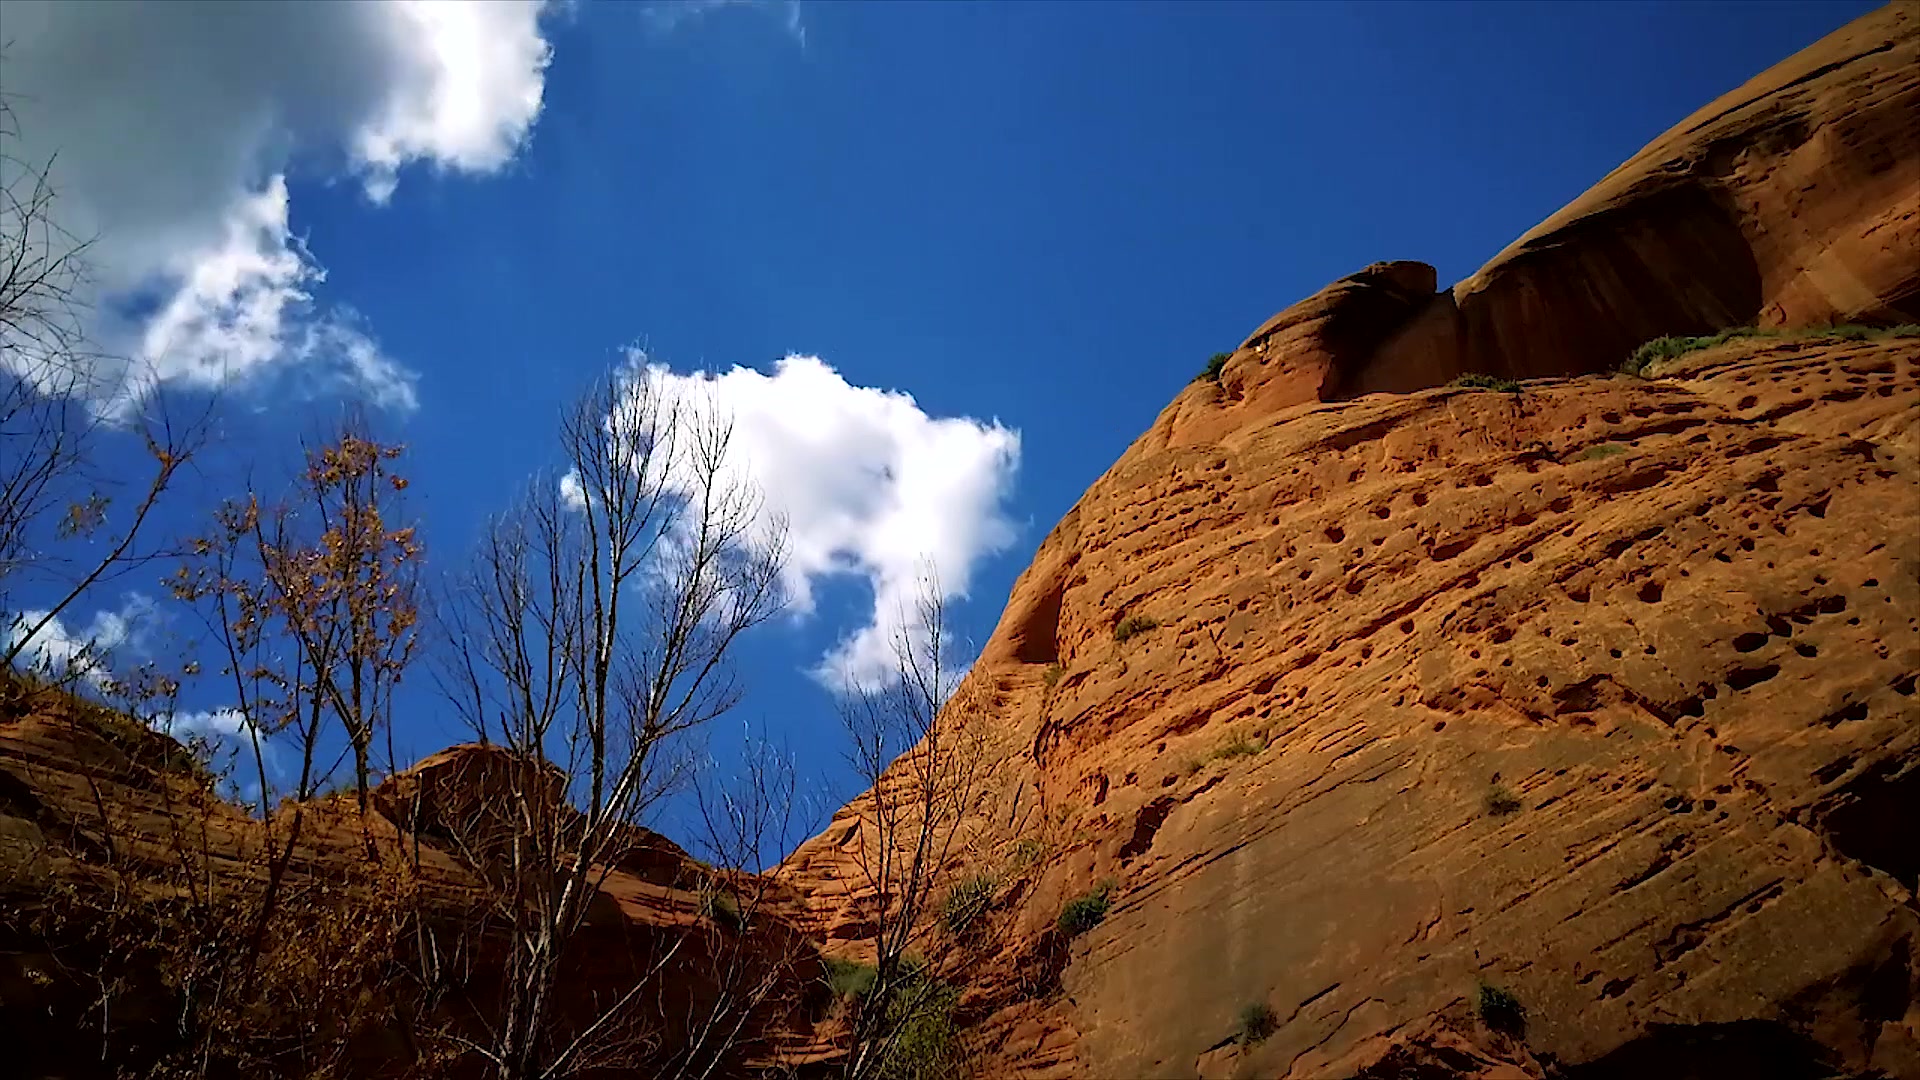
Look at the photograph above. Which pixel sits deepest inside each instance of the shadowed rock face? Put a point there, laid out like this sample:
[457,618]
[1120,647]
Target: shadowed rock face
[98,804]
[1602,694]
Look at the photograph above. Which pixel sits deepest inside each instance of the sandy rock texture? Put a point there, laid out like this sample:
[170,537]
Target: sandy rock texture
[1599,695]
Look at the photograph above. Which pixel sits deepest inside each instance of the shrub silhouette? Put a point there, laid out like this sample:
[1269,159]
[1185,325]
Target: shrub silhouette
[1501,801]
[1087,911]
[1257,1021]
[1474,381]
[1499,1009]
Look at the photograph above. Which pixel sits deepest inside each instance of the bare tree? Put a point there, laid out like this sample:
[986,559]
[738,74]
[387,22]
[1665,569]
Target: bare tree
[911,743]
[592,632]
[57,514]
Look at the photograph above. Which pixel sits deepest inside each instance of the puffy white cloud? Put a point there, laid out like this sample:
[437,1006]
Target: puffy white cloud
[171,129]
[867,483]
[83,653]
[469,103]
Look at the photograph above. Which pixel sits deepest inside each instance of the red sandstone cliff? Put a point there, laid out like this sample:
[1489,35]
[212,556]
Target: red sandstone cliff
[1602,692]
[1674,621]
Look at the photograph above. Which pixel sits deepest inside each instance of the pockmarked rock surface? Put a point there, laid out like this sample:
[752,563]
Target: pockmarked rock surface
[1599,695]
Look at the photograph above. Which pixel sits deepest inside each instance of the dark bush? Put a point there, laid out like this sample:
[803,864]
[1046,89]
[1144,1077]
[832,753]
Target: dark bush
[1257,1022]
[1500,1010]
[1085,912]
[1487,382]
[850,978]
[1502,801]
[720,908]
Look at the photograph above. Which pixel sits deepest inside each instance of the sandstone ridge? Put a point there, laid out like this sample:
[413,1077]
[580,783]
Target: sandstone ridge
[1793,201]
[1601,693]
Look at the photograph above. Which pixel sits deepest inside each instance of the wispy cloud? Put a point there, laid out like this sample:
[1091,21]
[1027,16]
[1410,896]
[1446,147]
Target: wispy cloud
[85,652]
[669,15]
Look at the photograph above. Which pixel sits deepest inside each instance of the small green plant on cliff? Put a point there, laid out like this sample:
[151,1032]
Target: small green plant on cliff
[1676,345]
[1499,1009]
[966,902]
[1257,1022]
[923,1041]
[1088,910]
[914,1033]
[720,908]
[1501,801]
[1026,854]
[1603,450]
[1132,626]
[1215,365]
[1054,671]
[849,978]
[1475,381]
[1238,747]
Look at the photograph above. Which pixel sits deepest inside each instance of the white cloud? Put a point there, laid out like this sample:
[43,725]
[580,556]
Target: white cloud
[664,17]
[172,129]
[209,724]
[472,101]
[868,485]
[83,653]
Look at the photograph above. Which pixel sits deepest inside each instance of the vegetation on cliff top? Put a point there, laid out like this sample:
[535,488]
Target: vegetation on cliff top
[1677,345]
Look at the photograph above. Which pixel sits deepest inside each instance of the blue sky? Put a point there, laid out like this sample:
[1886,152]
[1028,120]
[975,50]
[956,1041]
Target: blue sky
[1044,216]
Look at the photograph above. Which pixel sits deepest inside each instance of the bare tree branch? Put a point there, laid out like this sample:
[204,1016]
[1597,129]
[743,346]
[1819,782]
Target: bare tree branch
[598,617]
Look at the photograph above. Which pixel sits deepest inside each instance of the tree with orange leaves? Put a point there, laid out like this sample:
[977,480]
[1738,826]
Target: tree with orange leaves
[315,602]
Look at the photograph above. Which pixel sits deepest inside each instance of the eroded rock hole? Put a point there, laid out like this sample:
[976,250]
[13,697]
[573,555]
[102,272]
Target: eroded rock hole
[1037,639]
[1146,823]
[1872,821]
[1750,677]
